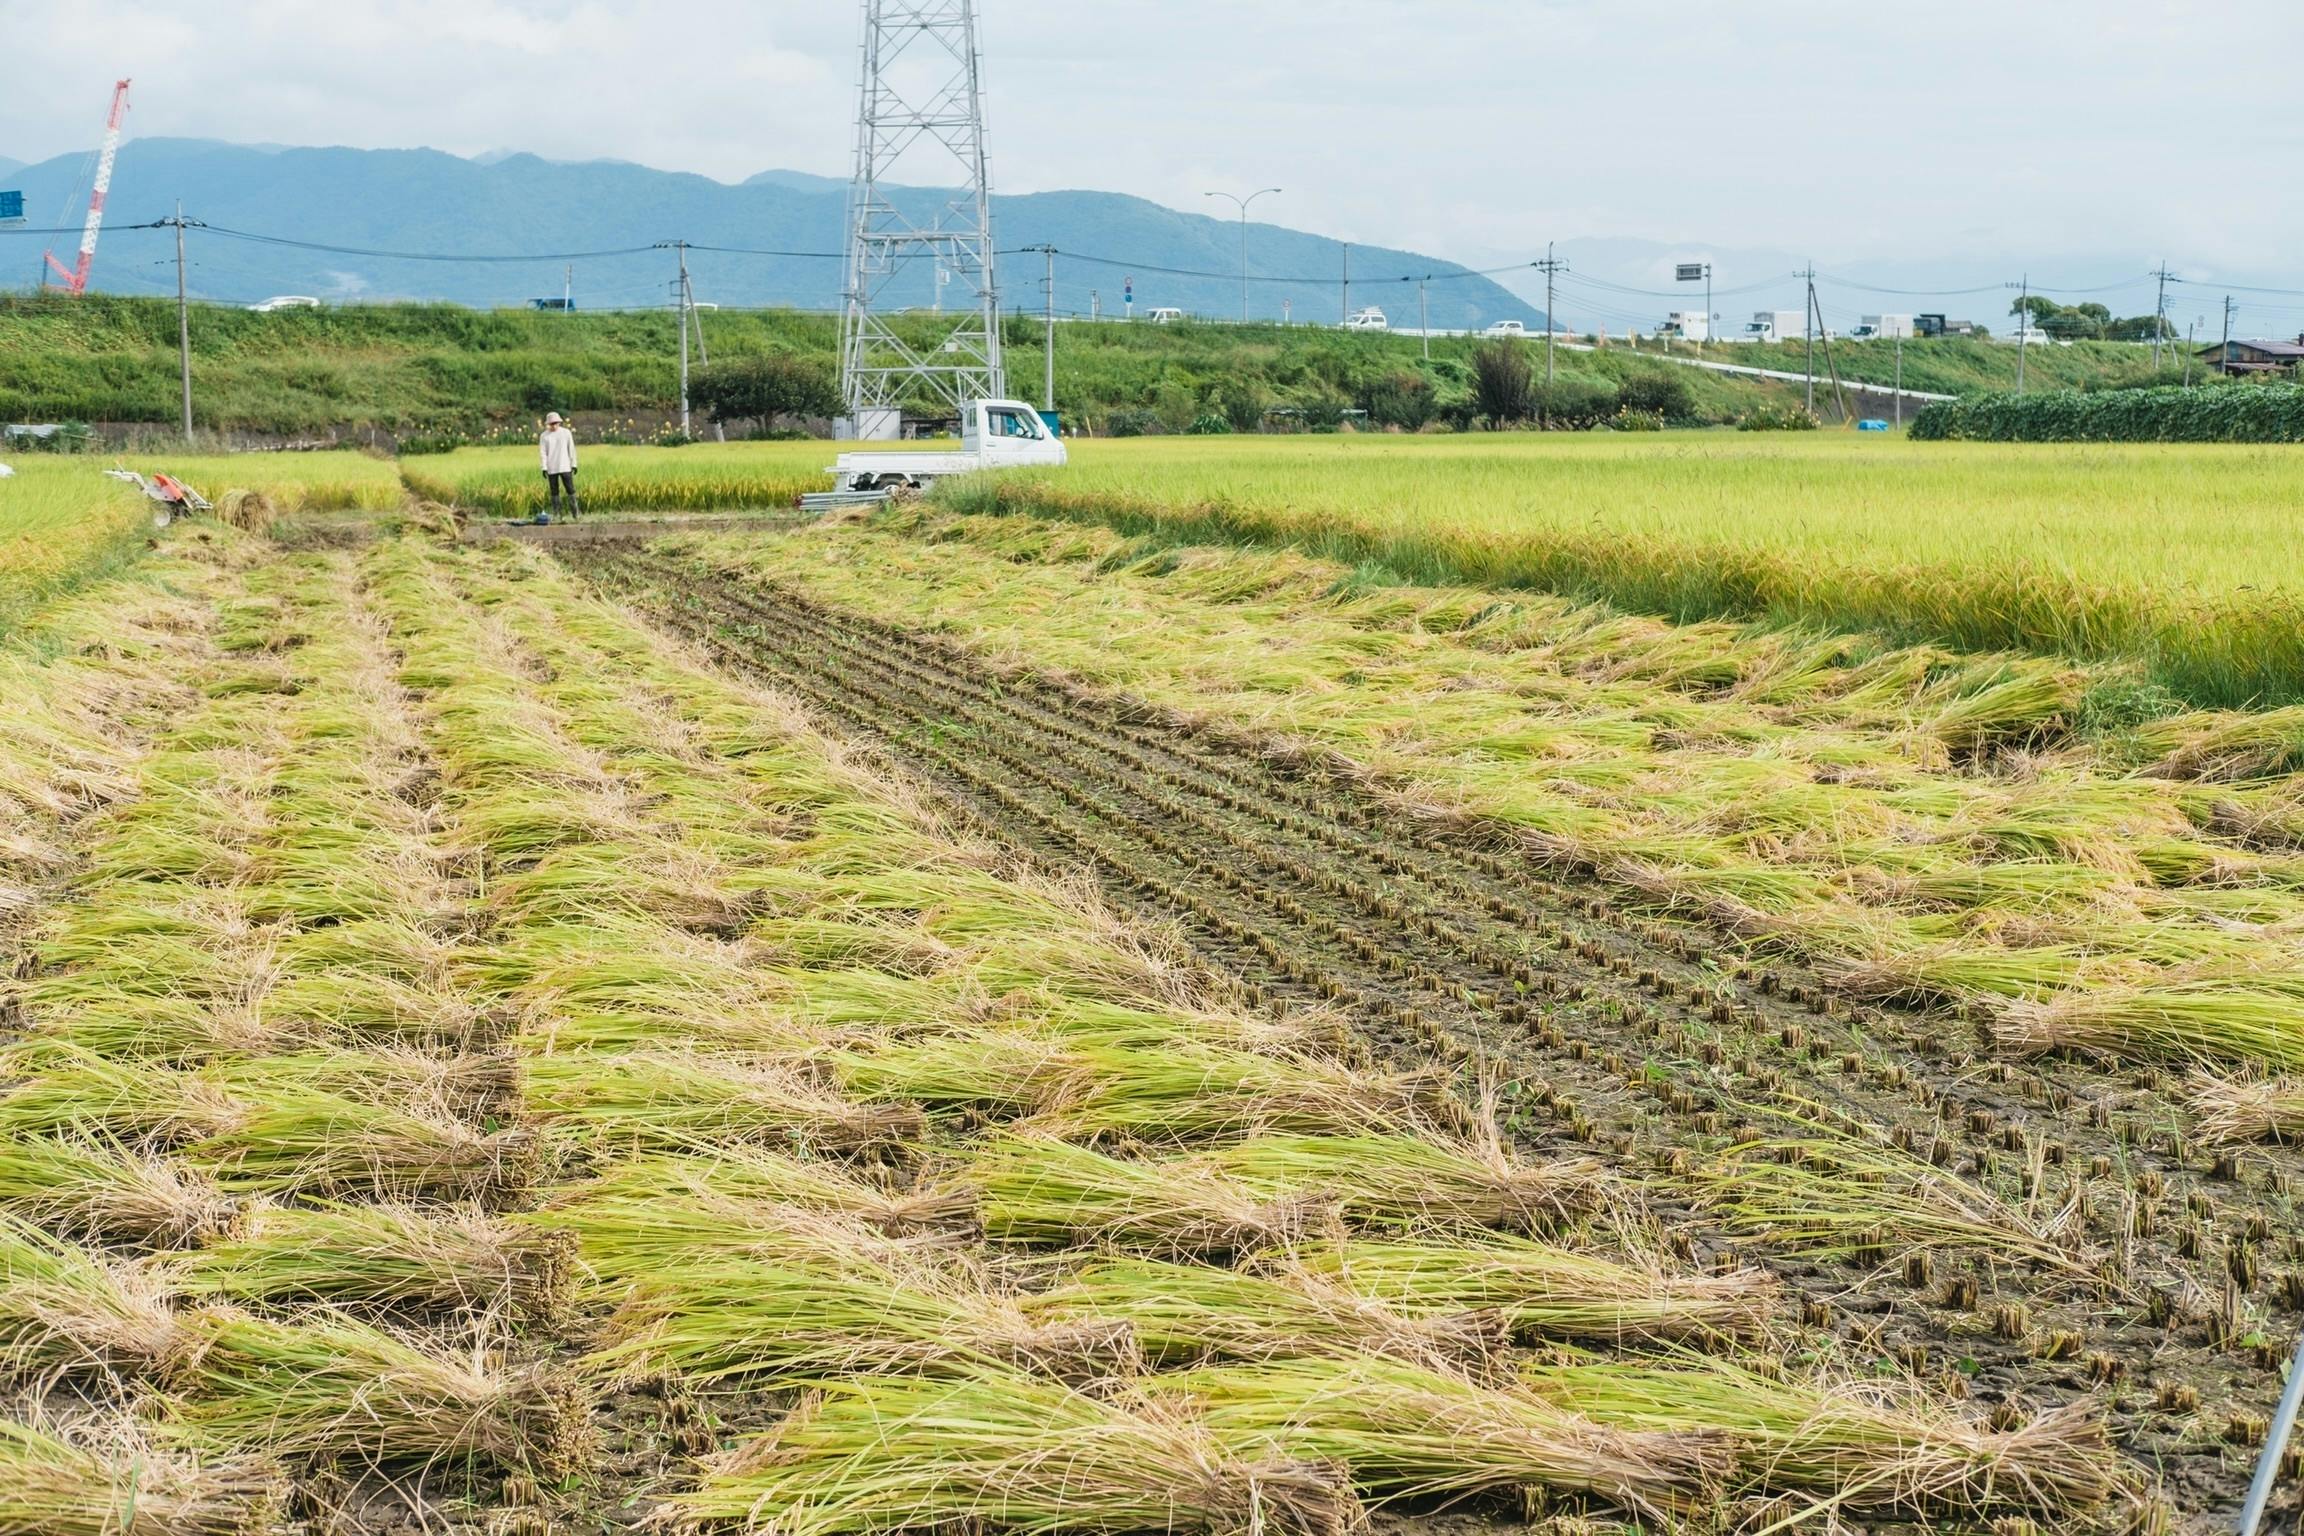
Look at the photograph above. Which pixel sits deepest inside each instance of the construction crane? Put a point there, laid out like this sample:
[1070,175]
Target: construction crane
[76,276]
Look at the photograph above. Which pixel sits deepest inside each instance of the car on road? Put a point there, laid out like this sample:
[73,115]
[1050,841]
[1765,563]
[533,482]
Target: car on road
[1501,329]
[285,301]
[1369,319]
[1166,316]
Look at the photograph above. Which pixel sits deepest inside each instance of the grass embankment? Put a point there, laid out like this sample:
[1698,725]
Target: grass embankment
[701,477]
[2182,560]
[451,921]
[1953,365]
[1830,796]
[62,526]
[430,367]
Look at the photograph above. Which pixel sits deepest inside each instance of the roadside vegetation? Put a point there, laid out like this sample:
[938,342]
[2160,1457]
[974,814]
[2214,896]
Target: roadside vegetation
[2228,413]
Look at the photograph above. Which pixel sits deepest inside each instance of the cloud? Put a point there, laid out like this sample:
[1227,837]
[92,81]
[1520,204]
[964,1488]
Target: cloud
[1968,127]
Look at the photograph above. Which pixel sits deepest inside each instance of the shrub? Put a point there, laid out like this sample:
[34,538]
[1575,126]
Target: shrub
[1503,387]
[1210,424]
[1574,403]
[2220,413]
[1242,403]
[1627,419]
[1664,394]
[1777,418]
[1132,423]
[763,388]
[1403,399]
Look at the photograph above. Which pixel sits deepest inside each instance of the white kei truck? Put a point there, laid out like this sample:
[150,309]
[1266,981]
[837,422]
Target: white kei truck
[994,434]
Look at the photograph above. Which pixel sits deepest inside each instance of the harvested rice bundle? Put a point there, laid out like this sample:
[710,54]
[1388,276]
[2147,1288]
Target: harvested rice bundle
[1415,1181]
[111,1481]
[644,1212]
[469,1085]
[798,1295]
[1184,1094]
[389,948]
[328,1385]
[297,1140]
[1409,1433]
[108,1192]
[1038,1190]
[364,1010]
[1007,1452]
[56,1089]
[64,1308]
[2252,1016]
[1008,1072]
[1191,1312]
[1874,1447]
[387,1254]
[668,1099]
[1542,1291]
[2232,1109]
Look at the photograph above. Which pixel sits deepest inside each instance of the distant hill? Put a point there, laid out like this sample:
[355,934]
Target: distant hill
[366,205]
[7,165]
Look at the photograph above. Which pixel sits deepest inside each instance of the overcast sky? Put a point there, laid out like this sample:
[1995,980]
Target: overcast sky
[2019,130]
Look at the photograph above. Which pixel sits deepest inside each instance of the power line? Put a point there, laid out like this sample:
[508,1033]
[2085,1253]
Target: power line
[353,250]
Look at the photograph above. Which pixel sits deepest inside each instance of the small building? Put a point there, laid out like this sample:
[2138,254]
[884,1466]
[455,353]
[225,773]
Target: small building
[2242,357]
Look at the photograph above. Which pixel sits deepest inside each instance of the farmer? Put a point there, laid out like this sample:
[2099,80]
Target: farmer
[557,448]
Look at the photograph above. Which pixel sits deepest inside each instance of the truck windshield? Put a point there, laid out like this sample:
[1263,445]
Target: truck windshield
[1013,424]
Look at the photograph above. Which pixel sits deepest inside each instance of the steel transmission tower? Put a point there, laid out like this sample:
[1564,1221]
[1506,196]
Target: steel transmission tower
[921,108]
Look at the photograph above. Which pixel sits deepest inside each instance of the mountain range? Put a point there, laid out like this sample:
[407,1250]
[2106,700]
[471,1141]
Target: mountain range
[370,225]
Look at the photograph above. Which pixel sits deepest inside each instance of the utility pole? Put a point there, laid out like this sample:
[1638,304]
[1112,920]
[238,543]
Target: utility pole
[2191,340]
[1548,266]
[1048,298]
[183,323]
[1424,315]
[2227,351]
[1810,317]
[2160,313]
[1243,202]
[1095,305]
[1899,378]
[1287,312]
[568,288]
[1346,313]
[2023,329]
[681,247]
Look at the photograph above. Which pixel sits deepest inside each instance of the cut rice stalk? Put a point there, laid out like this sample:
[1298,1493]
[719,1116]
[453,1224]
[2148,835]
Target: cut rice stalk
[386,1254]
[328,1385]
[1416,1181]
[2235,1109]
[668,1099]
[1545,1292]
[1409,1433]
[111,1481]
[301,1142]
[2253,1020]
[1872,1447]
[104,1191]
[1037,1190]
[642,1211]
[1191,1312]
[1183,1095]
[1007,1452]
[64,1308]
[798,1295]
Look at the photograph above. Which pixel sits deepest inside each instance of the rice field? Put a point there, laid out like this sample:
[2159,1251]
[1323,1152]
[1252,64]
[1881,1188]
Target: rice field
[332,480]
[2182,560]
[997,1023]
[62,525]
[700,477]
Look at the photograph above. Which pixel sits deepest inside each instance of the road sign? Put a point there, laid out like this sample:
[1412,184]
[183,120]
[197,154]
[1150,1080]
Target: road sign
[1689,272]
[11,207]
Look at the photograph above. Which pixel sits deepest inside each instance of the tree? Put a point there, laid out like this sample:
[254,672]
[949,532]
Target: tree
[1665,393]
[1401,399]
[1502,383]
[764,388]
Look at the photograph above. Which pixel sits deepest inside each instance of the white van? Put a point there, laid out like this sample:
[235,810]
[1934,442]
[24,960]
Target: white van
[1504,328]
[1165,316]
[1369,319]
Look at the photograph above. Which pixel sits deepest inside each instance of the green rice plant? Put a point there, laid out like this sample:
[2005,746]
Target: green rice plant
[103,1190]
[110,1479]
[649,1211]
[1008,1452]
[1541,1291]
[666,1100]
[793,1294]
[325,1384]
[1187,1313]
[455,1260]
[1862,1447]
[64,1308]
[2242,1109]
[1406,1433]
[1041,1191]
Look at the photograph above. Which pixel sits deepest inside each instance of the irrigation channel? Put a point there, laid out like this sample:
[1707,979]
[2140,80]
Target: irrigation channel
[2045,1230]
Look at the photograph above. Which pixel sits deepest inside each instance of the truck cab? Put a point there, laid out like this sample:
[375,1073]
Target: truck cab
[1008,432]
[994,434]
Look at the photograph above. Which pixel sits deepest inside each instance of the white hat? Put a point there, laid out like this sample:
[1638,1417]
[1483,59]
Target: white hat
[551,418]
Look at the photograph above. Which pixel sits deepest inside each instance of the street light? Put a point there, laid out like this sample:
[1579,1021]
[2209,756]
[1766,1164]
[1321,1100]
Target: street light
[1243,202]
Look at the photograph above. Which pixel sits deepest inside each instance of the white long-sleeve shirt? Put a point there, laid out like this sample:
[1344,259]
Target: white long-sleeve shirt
[557,448]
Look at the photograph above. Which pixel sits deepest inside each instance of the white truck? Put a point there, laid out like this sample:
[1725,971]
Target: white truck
[1686,325]
[1882,328]
[1776,325]
[994,434]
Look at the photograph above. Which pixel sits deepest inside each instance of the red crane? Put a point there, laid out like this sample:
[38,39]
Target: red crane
[76,276]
